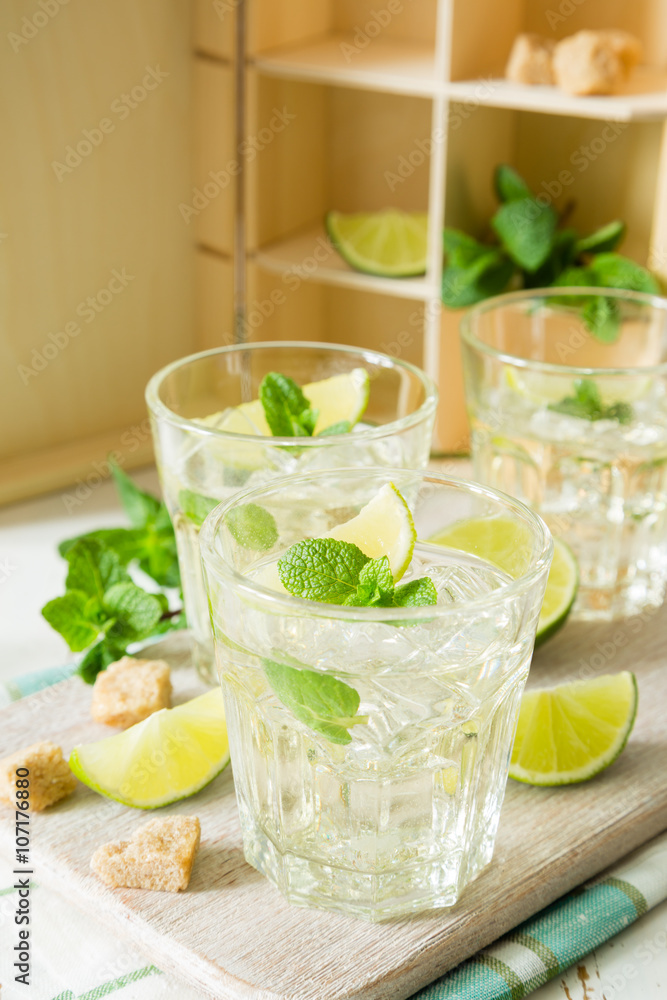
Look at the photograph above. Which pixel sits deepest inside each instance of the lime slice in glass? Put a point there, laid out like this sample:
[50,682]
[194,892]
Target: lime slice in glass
[170,755]
[384,527]
[561,592]
[570,733]
[391,244]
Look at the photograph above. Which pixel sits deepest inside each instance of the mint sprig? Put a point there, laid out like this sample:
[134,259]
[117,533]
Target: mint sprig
[288,413]
[150,542]
[103,610]
[337,572]
[322,702]
[586,403]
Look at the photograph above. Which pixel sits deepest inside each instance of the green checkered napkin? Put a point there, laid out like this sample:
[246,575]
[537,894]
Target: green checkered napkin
[537,950]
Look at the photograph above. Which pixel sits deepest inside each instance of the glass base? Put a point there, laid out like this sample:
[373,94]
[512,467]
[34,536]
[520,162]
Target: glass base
[646,592]
[377,896]
[203,658]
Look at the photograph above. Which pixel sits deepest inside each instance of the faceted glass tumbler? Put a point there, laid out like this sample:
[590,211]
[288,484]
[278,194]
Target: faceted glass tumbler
[399,811]
[567,398]
[200,465]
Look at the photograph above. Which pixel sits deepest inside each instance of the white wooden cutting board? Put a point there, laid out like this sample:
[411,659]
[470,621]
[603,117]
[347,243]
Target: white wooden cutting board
[231,932]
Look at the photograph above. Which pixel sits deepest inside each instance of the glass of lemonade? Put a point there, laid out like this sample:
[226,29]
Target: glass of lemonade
[391,805]
[206,450]
[567,397]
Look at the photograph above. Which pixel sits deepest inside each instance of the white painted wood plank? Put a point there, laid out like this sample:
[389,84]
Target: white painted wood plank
[233,934]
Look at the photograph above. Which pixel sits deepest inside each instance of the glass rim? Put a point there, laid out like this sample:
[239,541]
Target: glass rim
[273,602]
[551,367]
[161,411]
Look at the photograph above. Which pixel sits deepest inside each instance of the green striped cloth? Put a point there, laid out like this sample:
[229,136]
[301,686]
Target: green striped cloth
[557,937]
[536,951]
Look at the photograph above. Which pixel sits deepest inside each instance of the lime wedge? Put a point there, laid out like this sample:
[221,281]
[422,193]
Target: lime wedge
[384,527]
[391,244]
[506,544]
[498,540]
[341,397]
[170,755]
[562,584]
[572,732]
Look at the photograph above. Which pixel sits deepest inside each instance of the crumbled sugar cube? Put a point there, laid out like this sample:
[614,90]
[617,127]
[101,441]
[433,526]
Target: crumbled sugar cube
[50,778]
[595,62]
[159,856]
[530,60]
[130,690]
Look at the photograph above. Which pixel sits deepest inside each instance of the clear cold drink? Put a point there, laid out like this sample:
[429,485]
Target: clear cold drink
[601,486]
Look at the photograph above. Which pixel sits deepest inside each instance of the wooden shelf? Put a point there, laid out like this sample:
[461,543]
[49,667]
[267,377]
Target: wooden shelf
[644,98]
[295,254]
[386,65]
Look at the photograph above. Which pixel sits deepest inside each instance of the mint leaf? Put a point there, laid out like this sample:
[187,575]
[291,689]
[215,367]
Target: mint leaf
[140,507]
[508,184]
[416,593]
[586,404]
[489,274]
[612,270]
[602,317]
[375,585]
[98,658]
[342,427]
[462,250]
[195,506]
[560,259]
[604,239]
[136,612]
[322,569]
[526,229]
[124,542]
[253,527]
[322,702]
[69,615]
[288,413]
[93,568]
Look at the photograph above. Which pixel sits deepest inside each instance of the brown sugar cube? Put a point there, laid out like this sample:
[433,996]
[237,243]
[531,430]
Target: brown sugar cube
[530,60]
[50,778]
[594,62]
[159,856]
[627,47]
[130,690]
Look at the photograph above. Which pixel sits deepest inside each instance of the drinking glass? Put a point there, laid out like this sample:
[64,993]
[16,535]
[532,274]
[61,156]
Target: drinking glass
[401,813]
[567,398]
[199,464]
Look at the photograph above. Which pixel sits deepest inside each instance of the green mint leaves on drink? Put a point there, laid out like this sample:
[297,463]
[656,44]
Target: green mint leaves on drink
[337,572]
[586,403]
[103,609]
[322,702]
[288,413]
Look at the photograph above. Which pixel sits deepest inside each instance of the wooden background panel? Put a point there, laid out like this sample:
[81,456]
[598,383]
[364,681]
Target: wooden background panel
[287,169]
[214,314]
[95,111]
[371,137]
[284,307]
[213,32]
[645,18]
[272,24]
[413,22]
[216,161]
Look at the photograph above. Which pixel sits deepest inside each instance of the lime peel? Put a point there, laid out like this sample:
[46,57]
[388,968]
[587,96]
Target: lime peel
[570,733]
[169,756]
